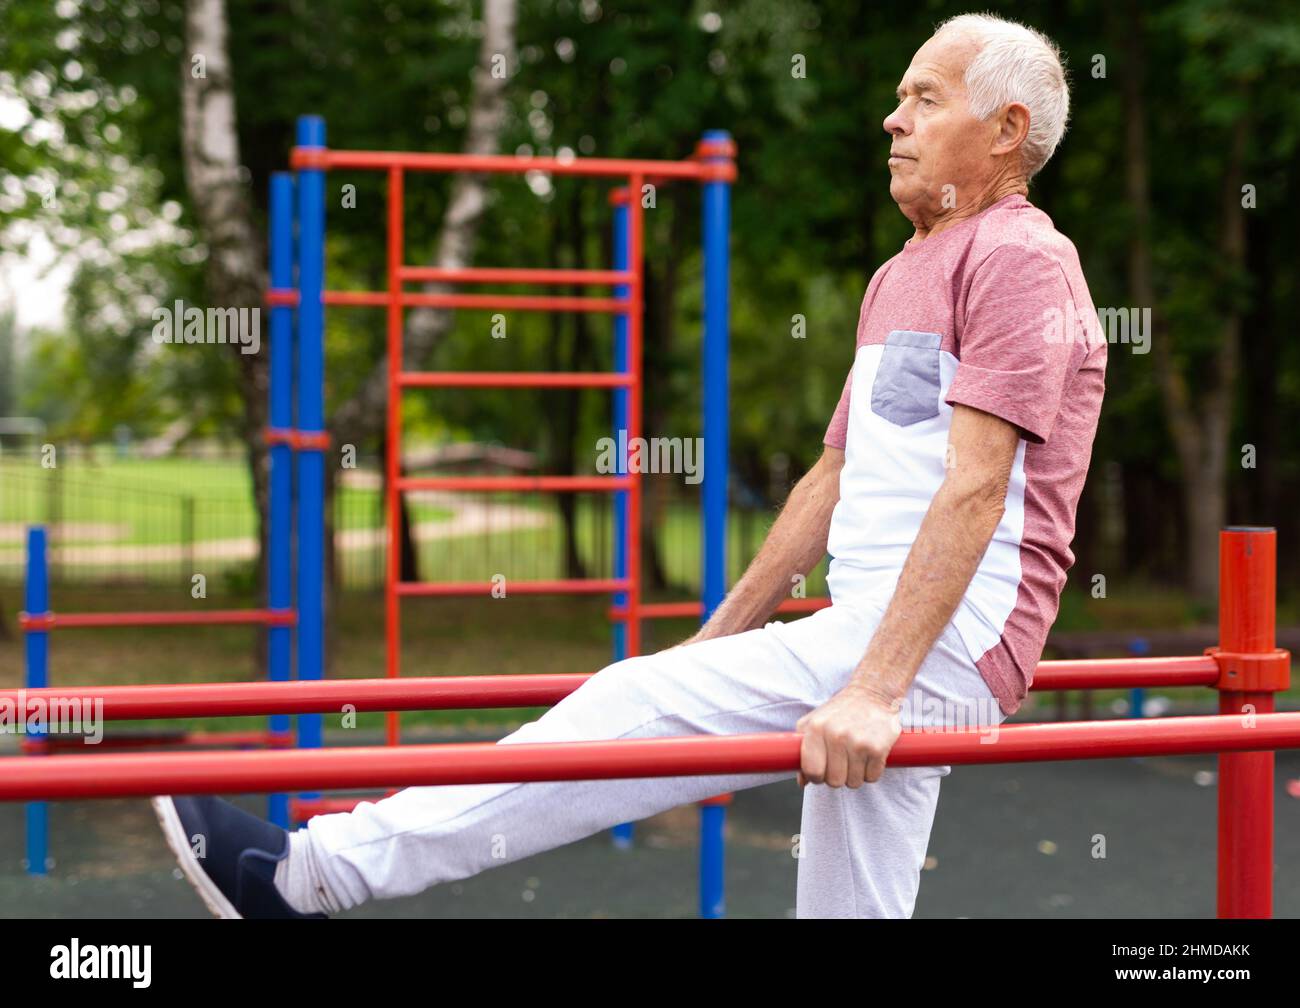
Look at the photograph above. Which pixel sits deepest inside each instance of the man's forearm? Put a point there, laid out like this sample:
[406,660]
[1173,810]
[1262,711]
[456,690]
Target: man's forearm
[952,540]
[795,545]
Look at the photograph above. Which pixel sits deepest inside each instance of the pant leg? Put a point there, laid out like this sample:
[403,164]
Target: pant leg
[862,850]
[762,680]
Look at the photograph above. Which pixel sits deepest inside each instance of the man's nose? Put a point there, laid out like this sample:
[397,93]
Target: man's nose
[895,124]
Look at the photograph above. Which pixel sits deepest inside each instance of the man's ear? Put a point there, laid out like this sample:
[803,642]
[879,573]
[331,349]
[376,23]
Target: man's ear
[1013,127]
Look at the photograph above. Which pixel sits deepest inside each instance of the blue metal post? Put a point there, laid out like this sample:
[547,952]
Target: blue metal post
[311,419]
[717,211]
[713,888]
[622,834]
[36,601]
[1138,647]
[279,587]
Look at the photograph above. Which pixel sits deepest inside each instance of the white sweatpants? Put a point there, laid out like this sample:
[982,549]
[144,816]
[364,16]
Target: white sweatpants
[860,850]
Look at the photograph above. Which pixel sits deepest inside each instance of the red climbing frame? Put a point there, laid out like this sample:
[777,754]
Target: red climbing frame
[633,173]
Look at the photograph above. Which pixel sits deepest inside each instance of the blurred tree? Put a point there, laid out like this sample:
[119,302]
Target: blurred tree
[8,362]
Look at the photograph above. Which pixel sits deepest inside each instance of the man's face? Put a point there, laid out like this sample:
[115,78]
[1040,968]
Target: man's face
[935,141]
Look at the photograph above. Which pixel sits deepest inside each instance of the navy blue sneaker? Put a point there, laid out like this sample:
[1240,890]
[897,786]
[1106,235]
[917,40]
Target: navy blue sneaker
[228,855]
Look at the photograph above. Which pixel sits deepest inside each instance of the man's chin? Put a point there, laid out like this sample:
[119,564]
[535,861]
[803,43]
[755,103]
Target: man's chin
[904,195]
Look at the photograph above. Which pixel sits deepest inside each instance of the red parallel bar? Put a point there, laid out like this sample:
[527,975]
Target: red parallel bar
[1125,673]
[306,696]
[126,703]
[302,809]
[505,275]
[133,775]
[486,302]
[191,740]
[567,484]
[393,574]
[217,617]
[685,610]
[569,586]
[512,379]
[498,163]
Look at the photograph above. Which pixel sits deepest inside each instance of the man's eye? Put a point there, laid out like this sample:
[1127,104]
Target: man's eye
[927,101]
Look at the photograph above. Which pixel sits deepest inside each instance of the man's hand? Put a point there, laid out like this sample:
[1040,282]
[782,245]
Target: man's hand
[846,739]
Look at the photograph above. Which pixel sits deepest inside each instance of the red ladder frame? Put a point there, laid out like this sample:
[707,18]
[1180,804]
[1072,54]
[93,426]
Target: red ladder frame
[395,299]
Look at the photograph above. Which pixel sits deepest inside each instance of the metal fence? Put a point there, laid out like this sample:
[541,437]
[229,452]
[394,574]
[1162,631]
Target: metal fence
[118,519]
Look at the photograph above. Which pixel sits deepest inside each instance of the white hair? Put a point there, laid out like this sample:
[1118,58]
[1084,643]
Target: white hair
[1015,63]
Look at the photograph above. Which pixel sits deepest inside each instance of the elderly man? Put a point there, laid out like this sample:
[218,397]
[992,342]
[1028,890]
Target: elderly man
[945,495]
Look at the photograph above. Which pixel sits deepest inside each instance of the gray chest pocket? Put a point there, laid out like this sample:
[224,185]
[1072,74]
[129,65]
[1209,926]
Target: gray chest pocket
[906,388]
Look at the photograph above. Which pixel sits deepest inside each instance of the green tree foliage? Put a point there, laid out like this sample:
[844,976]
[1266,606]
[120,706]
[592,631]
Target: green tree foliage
[803,87]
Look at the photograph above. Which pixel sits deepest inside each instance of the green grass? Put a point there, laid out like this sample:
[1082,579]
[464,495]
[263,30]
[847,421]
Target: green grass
[146,501]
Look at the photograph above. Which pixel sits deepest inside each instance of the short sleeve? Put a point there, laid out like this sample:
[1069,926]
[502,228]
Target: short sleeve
[838,431]
[1013,361]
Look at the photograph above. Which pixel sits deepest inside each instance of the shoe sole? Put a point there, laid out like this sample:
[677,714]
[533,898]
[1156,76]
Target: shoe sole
[174,833]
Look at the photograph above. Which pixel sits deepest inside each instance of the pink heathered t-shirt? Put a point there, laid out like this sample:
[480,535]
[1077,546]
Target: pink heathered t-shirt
[993,313]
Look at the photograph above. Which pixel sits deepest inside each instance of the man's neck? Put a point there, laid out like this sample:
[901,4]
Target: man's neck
[948,218]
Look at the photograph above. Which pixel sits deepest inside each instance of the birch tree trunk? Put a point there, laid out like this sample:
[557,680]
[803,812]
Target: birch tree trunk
[361,418]
[363,415]
[218,189]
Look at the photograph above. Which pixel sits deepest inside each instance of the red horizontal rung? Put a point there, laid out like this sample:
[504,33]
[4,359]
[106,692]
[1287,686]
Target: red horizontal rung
[518,302]
[325,159]
[563,586]
[514,379]
[132,775]
[286,297]
[355,299]
[496,484]
[222,617]
[297,440]
[506,275]
[485,302]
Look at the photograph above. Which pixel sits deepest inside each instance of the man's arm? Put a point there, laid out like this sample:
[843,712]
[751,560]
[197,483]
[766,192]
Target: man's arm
[795,544]
[952,540]
[847,739]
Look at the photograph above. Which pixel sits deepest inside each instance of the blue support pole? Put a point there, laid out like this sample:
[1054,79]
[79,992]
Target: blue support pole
[622,833]
[713,889]
[311,419]
[36,601]
[279,593]
[717,212]
[1139,647]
